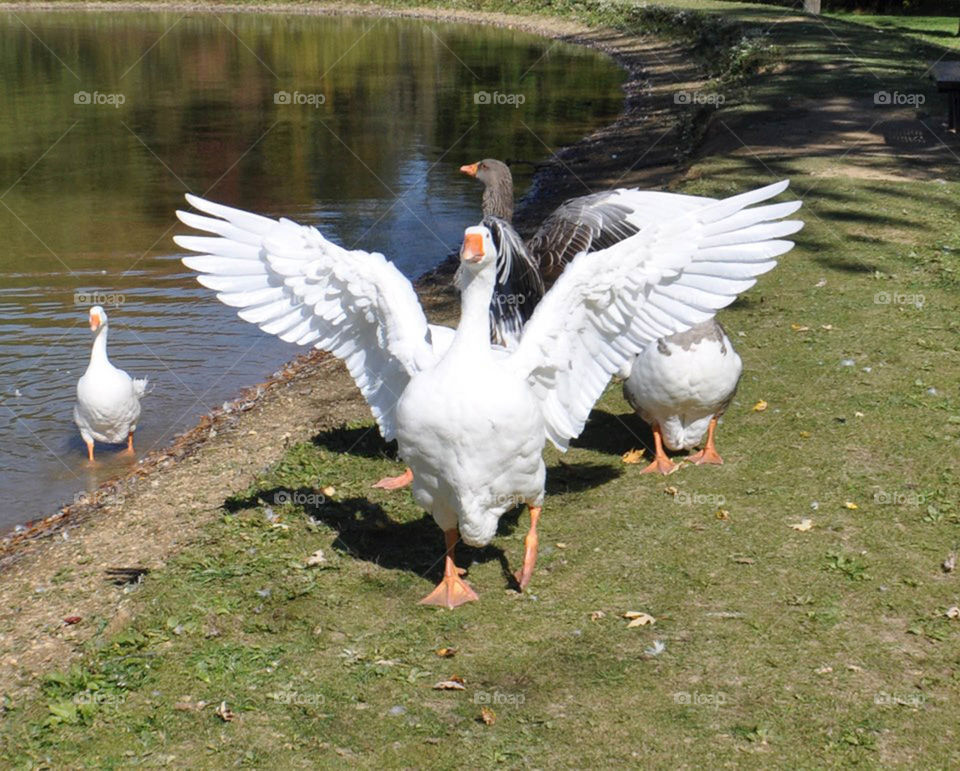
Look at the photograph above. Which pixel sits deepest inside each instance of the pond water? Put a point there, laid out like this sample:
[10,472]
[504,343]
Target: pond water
[356,125]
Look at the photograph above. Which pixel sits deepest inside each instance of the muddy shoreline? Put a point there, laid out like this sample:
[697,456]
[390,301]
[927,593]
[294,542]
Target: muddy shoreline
[139,520]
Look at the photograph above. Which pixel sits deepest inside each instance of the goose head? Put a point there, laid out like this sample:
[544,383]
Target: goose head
[98,318]
[478,250]
[498,186]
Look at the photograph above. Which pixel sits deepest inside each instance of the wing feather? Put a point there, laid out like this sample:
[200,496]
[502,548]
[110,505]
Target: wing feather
[292,282]
[690,259]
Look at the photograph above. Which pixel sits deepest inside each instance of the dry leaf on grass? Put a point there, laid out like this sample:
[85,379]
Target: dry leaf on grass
[824,670]
[639,618]
[455,683]
[632,456]
[803,525]
[952,612]
[329,490]
[799,328]
[950,563]
[760,406]
[826,327]
[671,490]
[446,653]
[560,545]
[224,712]
[850,505]
[597,615]
[723,514]
[316,558]
[488,716]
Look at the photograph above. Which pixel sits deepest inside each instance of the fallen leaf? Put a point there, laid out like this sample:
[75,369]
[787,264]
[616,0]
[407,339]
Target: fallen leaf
[858,414]
[826,327]
[803,525]
[639,618]
[71,620]
[950,563]
[488,716]
[805,434]
[854,668]
[632,456]
[821,283]
[744,560]
[560,545]
[723,514]
[446,653]
[671,490]
[316,558]
[224,712]
[850,505]
[799,328]
[329,490]
[952,612]
[453,684]
[824,670]
[597,615]
[760,406]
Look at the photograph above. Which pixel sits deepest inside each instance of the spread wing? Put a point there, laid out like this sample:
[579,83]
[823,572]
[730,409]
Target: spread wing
[593,222]
[292,282]
[606,306]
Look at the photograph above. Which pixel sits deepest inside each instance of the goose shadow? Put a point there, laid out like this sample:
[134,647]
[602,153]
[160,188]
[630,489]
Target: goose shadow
[615,434]
[365,532]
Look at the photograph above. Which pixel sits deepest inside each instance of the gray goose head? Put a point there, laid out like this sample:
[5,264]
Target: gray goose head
[497,187]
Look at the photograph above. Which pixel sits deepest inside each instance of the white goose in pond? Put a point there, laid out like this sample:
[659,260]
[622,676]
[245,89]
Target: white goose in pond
[108,399]
[470,421]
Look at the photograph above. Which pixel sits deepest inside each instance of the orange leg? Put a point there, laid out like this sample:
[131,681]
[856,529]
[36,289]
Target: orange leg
[530,544]
[661,462]
[452,590]
[130,442]
[709,452]
[90,451]
[395,483]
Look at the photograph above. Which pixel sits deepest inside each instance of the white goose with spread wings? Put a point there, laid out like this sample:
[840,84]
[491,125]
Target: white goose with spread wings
[471,421]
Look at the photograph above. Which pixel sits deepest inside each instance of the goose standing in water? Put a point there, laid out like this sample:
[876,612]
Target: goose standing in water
[108,399]
[471,420]
[680,384]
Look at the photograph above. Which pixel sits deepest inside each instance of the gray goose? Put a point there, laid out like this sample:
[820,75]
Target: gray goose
[681,384]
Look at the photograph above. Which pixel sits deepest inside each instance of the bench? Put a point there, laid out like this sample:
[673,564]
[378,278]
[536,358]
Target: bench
[947,76]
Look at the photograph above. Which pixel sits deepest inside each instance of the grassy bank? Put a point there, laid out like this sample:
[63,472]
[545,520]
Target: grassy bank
[772,646]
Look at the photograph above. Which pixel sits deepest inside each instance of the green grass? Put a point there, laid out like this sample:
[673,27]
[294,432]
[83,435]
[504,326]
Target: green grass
[938,30]
[781,648]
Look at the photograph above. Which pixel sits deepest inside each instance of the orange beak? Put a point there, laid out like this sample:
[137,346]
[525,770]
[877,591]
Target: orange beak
[472,249]
[470,169]
[94,323]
